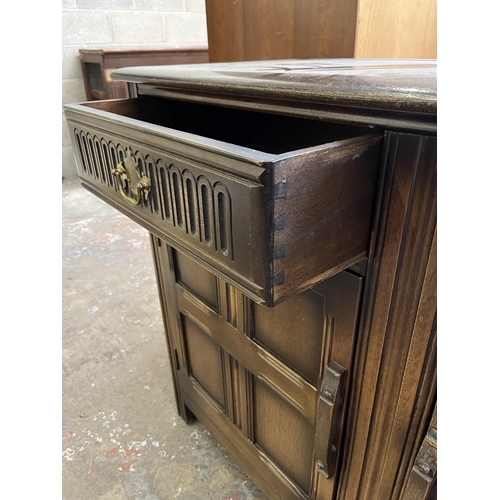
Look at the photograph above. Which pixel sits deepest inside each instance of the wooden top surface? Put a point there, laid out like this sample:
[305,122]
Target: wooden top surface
[407,86]
[119,52]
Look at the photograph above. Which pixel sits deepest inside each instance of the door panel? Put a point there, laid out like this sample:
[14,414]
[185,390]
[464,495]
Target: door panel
[252,374]
[252,356]
[204,360]
[283,434]
[293,331]
[195,278]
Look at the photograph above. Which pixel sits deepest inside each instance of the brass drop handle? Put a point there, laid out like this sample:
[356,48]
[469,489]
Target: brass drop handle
[329,419]
[139,186]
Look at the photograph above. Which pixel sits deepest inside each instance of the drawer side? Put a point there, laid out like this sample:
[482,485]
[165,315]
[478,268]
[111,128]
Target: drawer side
[322,220]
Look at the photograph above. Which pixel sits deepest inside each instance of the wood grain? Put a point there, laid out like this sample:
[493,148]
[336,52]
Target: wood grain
[97,65]
[225,26]
[344,183]
[342,307]
[280,29]
[324,29]
[285,436]
[196,278]
[205,360]
[398,322]
[407,86]
[294,331]
[268,30]
[290,29]
[254,358]
[396,28]
[264,472]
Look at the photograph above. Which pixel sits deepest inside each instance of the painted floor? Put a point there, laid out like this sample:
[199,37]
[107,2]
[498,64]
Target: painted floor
[122,437]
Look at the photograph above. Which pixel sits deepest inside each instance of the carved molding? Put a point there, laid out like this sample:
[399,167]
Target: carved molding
[194,204]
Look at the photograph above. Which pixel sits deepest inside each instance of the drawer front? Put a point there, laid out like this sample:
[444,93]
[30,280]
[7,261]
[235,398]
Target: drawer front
[269,224]
[192,206]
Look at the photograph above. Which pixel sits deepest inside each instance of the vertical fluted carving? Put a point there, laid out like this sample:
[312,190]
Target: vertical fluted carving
[190,203]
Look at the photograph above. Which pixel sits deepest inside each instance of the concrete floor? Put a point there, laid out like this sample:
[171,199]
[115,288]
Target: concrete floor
[122,437]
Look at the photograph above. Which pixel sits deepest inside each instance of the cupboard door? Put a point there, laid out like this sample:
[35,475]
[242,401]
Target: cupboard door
[270,383]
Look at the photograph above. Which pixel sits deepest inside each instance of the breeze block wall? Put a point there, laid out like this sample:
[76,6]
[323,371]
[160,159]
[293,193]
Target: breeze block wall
[115,24]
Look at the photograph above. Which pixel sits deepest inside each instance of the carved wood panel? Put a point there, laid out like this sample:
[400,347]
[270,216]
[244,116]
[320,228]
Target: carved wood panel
[395,385]
[192,203]
[268,408]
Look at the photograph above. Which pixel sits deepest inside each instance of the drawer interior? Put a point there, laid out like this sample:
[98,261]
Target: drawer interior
[269,133]
[247,194]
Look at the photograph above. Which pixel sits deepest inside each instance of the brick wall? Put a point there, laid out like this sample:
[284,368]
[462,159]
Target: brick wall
[95,24]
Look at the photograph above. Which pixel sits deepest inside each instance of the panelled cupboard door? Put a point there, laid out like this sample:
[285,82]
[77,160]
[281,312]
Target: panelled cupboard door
[269,383]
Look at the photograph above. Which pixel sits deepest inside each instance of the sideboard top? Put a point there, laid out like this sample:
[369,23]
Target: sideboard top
[407,86]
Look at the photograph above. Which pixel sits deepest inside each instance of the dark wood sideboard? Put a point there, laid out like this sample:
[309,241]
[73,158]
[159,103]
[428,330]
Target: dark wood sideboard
[292,212]
[97,65]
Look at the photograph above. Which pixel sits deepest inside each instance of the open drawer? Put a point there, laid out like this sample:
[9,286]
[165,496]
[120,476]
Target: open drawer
[270,203]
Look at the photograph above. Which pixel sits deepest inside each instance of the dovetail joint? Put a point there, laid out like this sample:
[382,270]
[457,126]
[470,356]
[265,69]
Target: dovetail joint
[279,278]
[279,301]
[279,252]
[280,190]
[279,222]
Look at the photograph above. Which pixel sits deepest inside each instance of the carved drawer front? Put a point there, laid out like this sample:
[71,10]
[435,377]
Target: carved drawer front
[269,203]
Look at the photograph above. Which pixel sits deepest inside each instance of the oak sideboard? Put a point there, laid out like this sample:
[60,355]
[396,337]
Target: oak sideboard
[292,212]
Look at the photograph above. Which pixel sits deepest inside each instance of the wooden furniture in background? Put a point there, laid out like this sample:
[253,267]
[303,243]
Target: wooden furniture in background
[294,29]
[309,186]
[98,64]
[396,28]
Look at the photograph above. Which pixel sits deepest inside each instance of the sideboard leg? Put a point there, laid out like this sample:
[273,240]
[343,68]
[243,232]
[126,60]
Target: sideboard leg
[159,265]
